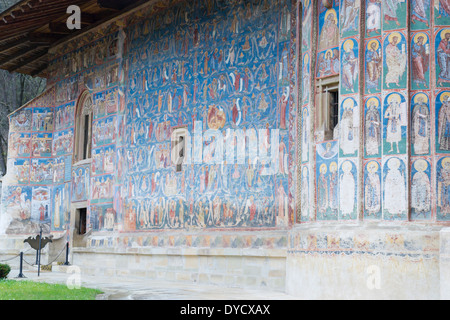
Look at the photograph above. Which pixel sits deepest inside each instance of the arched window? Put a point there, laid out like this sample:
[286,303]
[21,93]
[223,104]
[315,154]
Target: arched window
[83,127]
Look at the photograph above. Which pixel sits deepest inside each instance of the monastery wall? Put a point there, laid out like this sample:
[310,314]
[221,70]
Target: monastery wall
[315,134]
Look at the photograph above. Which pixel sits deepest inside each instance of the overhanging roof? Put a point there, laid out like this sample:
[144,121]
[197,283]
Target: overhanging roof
[31,27]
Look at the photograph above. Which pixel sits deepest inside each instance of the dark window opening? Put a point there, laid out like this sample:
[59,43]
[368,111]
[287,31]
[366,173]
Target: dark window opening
[82,216]
[181,144]
[86,137]
[334,108]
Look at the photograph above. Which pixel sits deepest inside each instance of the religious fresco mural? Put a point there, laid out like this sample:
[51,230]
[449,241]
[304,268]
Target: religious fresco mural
[80,183]
[327,181]
[441,12]
[442,42]
[420,58]
[395,120]
[372,191]
[373,18]
[421,190]
[420,14]
[21,121]
[19,145]
[420,124]
[394,14]
[218,69]
[395,61]
[374,66]
[395,189]
[40,205]
[328,58]
[349,66]
[65,116]
[61,207]
[348,187]
[442,122]
[17,201]
[349,128]
[43,119]
[373,128]
[41,145]
[443,184]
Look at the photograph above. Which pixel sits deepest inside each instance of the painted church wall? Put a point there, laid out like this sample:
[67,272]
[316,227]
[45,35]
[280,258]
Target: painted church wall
[391,106]
[231,67]
[228,67]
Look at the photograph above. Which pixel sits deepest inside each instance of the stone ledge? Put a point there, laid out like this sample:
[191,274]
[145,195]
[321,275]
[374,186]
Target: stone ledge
[272,253]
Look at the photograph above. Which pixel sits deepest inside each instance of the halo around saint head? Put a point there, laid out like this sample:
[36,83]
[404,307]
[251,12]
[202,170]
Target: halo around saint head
[331,11]
[421,34]
[395,34]
[420,95]
[420,165]
[372,42]
[372,166]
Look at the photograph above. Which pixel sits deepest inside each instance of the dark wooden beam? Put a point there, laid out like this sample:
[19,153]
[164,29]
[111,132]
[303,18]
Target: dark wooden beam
[39,70]
[113,4]
[17,55]
[12,44]
[112,16]
[28,61]
[44,38]
[59,28]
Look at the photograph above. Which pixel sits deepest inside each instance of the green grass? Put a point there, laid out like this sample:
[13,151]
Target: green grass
[29,290]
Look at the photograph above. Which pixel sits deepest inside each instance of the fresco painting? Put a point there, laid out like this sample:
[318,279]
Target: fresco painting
[442,42]
[231,67]
[395,61]
[372,191]
[421,190]
[395,120]
[443,185]
[442,122]
[395,189]
[80,183]
[327,181]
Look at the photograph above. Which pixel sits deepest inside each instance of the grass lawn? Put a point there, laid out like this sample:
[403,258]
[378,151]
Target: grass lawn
[29,290]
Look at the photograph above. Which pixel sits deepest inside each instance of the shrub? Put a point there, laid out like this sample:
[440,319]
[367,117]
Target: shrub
[4,271]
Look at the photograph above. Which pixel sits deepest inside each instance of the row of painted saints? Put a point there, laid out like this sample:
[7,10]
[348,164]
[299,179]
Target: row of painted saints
[391,126]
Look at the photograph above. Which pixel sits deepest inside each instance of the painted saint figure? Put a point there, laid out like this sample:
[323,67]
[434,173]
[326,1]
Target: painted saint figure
[372,190]
[373,18]
[334,188]
[373,128]
[347,128]
[390,8]
[322,190]
[421,190]
[374,66]
[444,124]
[420,126]
[419,11]
[443,56]
[329,37]
[444,8]
[394,115]
[349,15]
[349,66]
[443,192]
[396,60]
[347,191]
[394,189]
[420,60]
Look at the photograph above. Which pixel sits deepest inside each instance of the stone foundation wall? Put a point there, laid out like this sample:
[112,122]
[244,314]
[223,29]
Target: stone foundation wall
[367,262]
[224,267]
